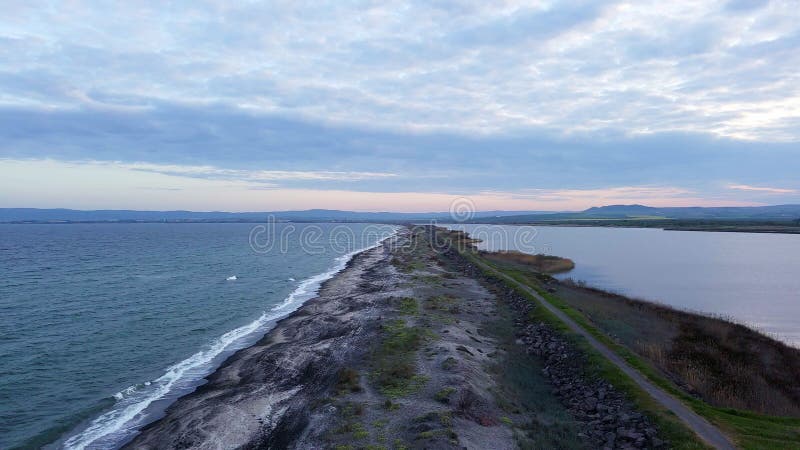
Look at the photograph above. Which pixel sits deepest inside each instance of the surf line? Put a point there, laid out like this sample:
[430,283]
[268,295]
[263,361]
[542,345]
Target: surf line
[129,413]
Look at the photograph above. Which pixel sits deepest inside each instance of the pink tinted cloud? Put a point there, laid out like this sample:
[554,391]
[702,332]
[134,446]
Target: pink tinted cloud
[548,200]
[765,189]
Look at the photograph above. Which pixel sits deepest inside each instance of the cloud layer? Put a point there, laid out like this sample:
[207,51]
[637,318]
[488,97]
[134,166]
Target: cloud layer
[438,97]
[92,185]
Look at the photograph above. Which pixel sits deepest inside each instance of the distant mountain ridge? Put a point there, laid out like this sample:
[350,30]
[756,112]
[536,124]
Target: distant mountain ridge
[314,215]
[775,212]
[636,212]
[732,212]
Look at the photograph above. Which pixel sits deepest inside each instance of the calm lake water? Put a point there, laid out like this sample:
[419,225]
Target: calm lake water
[751,278]
[103,325]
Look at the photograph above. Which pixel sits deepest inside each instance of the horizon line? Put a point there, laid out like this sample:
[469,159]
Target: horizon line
[389,211]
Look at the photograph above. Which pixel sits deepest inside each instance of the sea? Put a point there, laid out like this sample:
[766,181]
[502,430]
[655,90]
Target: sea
[102,326]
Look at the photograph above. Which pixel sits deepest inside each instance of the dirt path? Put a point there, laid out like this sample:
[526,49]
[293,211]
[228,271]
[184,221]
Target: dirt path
[705,430]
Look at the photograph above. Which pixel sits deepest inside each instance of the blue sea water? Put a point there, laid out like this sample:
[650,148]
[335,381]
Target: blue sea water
[103,325]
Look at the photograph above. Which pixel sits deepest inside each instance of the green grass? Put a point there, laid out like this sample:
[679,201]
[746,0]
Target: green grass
[440,423]
[670,427]
[440,303]
[749,430]
[412,267]
[449,364]
[444,395]
[540,419]
[359,432]
[727,365]
[408,306]
[431,280]
[395,359]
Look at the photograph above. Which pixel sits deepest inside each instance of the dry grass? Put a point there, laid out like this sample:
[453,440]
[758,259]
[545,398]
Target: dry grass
[348,380]
[460,238]
[538,263]
[724,363]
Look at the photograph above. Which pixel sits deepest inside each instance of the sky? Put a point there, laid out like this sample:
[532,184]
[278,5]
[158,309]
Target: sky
[398,106]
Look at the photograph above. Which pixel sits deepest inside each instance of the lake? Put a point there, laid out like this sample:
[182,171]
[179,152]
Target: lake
[747,277]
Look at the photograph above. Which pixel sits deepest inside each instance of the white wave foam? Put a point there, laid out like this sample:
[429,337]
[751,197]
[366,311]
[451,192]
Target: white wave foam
[119,424]
[308,287]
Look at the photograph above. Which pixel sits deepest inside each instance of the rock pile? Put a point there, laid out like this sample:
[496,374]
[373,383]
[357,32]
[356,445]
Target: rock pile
[609,420]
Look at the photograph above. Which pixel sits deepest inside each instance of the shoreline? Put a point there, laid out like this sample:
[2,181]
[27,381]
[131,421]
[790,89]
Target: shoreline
[402,349]
[700,279]
[563,280]
[243,368]
[153,407]
[736,379]
[420,347]
[717,227]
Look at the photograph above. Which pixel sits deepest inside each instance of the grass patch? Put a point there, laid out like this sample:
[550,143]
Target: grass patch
[440,423]
[728,365]
[407,264]
[359,432]
[538,263]
[408,306]
[389,405]
[432,280]
[450,363]
[440,302]
[432,434]
[444,395]
[395,359]
[348,380]
[352,409]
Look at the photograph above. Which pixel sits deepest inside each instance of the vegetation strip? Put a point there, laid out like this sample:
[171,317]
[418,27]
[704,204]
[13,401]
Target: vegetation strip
[749,429]
[705,430]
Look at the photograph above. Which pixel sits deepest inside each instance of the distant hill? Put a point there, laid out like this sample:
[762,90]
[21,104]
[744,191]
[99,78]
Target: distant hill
[627,212]
[642,212]
[736,212]
[312,215]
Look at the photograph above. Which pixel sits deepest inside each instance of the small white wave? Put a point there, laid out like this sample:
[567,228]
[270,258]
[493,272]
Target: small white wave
[122,422]
[309,287]
[232,278]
